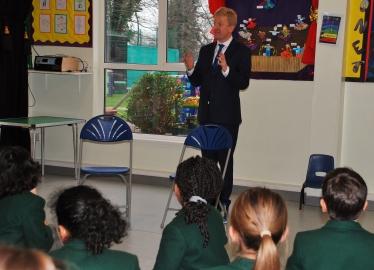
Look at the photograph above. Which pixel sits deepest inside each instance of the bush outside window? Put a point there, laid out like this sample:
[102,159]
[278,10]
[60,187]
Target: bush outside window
[145,82]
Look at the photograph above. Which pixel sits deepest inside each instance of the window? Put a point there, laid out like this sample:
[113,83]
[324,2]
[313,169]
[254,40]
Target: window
[147,39]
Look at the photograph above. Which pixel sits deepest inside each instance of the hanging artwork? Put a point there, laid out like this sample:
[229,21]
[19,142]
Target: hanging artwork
[359,59]
[62,22]
[330,27]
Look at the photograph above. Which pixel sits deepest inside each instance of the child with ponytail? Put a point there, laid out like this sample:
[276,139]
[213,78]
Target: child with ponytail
[258,221]
[196,237]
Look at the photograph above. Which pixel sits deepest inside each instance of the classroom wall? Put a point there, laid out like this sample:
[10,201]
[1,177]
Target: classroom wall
[283,121]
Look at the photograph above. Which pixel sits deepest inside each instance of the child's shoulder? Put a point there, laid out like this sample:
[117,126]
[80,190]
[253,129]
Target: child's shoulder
[25,198]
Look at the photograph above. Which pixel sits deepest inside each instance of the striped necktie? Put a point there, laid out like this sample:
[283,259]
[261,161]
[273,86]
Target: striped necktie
[215,63]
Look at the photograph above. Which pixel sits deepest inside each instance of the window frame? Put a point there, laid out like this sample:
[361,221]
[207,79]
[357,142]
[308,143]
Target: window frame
[162,65]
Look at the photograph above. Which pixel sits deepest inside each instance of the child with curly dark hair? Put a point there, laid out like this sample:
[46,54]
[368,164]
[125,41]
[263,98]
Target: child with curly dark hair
[22,221]
[89,224]
[196,237]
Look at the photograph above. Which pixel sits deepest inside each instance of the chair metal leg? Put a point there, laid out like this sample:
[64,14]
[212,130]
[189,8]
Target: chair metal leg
[167,206]
[302,196]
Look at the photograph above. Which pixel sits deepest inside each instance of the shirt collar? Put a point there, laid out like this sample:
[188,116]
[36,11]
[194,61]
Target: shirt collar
[226,43]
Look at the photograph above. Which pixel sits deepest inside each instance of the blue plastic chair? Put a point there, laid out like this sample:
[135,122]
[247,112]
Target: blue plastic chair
[107,129]
[206,137]
[318,166]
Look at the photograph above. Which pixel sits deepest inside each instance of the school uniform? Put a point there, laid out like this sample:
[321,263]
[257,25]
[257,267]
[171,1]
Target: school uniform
[75,252]
[337,245]
[181,245]
[239,263]
[22,224]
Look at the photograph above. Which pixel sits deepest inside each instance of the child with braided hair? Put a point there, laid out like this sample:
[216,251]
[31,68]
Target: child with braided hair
[89,224]
[196,237]
[258,221]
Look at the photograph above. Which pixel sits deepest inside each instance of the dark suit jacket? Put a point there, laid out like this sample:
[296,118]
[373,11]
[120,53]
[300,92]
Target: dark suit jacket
[181,245]
[238,263]
[338,245]
[75,252]
[222,93]
[22,219]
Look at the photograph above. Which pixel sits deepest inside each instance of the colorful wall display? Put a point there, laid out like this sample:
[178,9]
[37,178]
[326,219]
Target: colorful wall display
[359,60]
[62,22]
[276,32]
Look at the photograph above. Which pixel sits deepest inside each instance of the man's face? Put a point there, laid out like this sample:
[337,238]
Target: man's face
[222,29]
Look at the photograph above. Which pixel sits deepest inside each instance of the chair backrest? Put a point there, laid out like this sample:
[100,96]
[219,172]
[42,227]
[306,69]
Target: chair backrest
[319,165]
[106,128]
[209,137]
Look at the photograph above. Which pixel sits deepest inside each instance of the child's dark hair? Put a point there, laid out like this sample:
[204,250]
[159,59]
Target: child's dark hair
[18,171]
[344,192]
[89,217]
[259,216]
[201,177]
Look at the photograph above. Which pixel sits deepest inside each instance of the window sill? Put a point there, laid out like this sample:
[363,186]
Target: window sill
[159,139]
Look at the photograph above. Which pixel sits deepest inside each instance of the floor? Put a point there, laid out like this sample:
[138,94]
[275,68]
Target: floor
[148,205]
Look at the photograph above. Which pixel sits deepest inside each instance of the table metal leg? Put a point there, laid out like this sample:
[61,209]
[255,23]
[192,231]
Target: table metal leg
[75,146]
[43,148]
[32,132]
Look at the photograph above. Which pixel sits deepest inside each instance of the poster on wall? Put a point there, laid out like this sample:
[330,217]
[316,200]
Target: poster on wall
[330,29]
[359,41]
[370,55]
[62,23]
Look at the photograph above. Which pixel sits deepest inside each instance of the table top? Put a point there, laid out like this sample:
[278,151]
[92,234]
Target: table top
[40,121]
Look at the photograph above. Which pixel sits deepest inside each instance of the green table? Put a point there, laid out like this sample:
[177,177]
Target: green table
[32,123]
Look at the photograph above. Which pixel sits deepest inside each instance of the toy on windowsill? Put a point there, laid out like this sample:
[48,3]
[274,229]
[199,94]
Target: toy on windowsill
[268,49]
[191,101]
[300,25]
[287,52]
[298,50]
[274,33]
[267,4]
[285,34]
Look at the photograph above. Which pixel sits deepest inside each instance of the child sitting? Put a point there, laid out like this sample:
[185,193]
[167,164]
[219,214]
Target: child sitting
[258,221]
[22,221]
[342,243]
[88,226]
[195,238]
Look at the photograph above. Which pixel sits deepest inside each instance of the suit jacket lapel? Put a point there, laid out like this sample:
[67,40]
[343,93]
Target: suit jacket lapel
[231,49]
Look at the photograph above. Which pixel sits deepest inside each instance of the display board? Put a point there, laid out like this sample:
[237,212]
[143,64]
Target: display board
[276,32]
[359,60]
[62,22]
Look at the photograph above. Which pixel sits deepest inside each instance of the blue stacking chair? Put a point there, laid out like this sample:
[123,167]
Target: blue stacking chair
[318,166]
[107,129]
[206,137]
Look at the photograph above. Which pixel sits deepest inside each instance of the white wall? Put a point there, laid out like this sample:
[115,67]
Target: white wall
[283,121]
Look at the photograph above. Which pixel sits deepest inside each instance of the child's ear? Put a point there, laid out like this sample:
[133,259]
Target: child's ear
[233,235]
[285,235]
[64,233]
[323,205]
[365,206]
[177,193]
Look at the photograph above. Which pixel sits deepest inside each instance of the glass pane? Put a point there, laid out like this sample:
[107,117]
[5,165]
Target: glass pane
[153,102]
[189,25]
[131,31]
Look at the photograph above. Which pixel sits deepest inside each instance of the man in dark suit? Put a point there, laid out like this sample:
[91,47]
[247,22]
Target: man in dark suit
[342,243]
[222,70]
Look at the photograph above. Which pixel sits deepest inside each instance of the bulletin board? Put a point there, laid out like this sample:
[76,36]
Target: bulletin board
[62,22]
[359,61]
[276,32]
